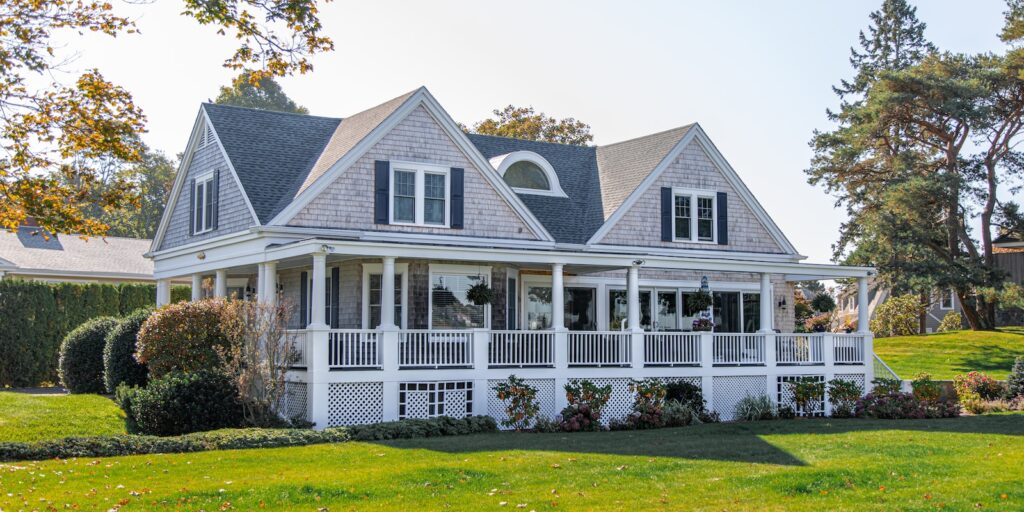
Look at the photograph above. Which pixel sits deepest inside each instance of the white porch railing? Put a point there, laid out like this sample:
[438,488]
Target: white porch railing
[521,349]
[353,348]
[848,348]
[671,349]
[435,349]
[599,348]
[800,349]
[738,349]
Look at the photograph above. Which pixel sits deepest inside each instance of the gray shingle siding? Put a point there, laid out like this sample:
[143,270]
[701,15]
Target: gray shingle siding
[234,214]
[640,225]
[347,203]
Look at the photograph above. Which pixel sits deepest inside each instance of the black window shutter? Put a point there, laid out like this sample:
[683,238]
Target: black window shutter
[216,199]
[666,214]
[304,299]
[382,191]
[723,218]
[192,207]
[335,297]
[458,198]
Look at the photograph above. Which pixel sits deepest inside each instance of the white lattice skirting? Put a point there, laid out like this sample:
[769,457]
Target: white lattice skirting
[730,390]
[423,400]
[295,400]
[355,403]
[784,393]
[856,378]
[545,399]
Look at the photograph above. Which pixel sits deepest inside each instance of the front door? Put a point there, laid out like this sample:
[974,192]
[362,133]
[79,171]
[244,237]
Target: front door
[667,310]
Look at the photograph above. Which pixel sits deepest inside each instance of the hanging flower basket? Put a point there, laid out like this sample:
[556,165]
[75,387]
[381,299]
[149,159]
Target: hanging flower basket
[699,300]
[480,294]
[702,325]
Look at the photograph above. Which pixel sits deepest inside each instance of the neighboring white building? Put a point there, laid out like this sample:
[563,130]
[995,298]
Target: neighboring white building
[374,227]
[31,255]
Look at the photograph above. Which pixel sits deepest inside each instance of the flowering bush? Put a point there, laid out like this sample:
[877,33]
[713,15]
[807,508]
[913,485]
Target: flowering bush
[900,406]
[926,389]
[883,386]
[808,394]
[818,323]
[586,400]
[183,337]
[950,322]
[648,404]
[520,399]
[898,316]
[843,395]
[977,385]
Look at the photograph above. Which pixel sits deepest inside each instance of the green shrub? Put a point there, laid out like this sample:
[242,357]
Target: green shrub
[904,406]
[977,385]
[679,414]
[925,389]
[37,316]
[823,302]
[691,395]
[119,364]
[183,337]
[843,395]
[520,399]
[180,403]
[586,401]
[1015,382]
[808,395]
[883,386]
[648,404]
[950,322]
[81,356]
[754,408]
[898,316]
[232,439]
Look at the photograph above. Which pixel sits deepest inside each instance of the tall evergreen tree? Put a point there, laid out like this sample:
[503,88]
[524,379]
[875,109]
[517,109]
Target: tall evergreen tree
[255,91]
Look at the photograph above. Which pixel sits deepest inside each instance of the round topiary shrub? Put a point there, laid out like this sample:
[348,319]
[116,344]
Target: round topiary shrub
[81,356]
[119,364]
[182,337]
[179,403]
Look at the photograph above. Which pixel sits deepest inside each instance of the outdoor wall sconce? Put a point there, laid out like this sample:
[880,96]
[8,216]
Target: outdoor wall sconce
[782,303]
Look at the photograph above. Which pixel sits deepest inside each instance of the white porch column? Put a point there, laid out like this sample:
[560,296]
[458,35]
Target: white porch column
[387,294]
[557,297]
[197,287]
[863,315]
[261,281]
[270,282]
[163,292]
[633,298]
[767,304]
[220,287]
[319,291]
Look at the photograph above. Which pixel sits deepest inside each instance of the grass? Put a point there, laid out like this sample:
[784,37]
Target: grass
[959,464]
[25,417]
[944,355]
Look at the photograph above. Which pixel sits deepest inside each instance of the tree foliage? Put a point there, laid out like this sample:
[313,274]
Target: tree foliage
[264,94]
[57,136]
[526,123]
[897,316]
[922,144]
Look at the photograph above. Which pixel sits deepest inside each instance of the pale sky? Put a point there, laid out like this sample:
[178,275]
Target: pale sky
[756,75]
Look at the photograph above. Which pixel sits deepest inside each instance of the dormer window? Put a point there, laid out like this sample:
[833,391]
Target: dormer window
[528,173]
[694,216]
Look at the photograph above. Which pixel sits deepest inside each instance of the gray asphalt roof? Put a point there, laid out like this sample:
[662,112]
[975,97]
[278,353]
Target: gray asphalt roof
[278,155]
[27,248]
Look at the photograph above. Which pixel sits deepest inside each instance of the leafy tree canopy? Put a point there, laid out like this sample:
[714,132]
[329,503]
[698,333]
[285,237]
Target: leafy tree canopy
[57,137]
[246,90]
[526,123]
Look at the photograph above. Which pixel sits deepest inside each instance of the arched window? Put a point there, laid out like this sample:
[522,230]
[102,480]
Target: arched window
[528,173]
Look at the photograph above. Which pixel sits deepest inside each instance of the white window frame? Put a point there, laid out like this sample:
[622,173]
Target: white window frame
[462,270]
[942,299]
[401,276]
[501,163]
[201,223]
[694,194]
[421,170]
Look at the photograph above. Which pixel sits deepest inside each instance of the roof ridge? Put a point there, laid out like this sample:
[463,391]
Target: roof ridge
[686,126]
[277,112]
[529,140]
[79,235]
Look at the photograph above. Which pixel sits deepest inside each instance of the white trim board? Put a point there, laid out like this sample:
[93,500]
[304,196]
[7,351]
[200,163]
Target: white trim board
[424,98]
[696,133]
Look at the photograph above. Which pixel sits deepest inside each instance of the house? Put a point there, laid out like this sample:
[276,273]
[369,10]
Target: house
[940,302]
[30,254]
[373,228]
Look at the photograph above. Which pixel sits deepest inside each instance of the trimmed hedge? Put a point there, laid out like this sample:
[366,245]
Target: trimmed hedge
[183,337]
[119,364]
[181,403]
[231,439]
[37,316]
[81,356]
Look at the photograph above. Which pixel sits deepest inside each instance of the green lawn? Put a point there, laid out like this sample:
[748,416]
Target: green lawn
[944,355]
[813,465]
[26,417]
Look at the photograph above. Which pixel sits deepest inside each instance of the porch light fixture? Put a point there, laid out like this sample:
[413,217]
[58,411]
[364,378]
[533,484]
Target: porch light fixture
[639,262]
[201,256]
[782,303]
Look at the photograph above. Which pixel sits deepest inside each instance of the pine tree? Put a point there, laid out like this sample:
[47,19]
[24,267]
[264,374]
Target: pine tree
[1015,383]
[263,93]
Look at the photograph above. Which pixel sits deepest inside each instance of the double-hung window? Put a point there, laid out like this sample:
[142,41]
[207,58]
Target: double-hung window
[694,217]
[419,194]
[946,298]
[203,197]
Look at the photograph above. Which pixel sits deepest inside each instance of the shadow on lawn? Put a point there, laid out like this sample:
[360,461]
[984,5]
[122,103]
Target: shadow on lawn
[729,442]
[994,360]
